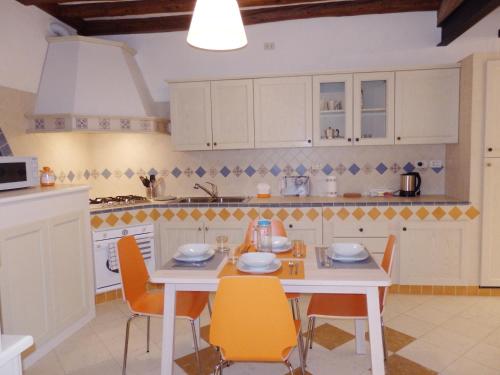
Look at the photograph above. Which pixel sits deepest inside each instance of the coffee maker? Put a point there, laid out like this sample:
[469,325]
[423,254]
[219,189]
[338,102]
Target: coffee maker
[410,184]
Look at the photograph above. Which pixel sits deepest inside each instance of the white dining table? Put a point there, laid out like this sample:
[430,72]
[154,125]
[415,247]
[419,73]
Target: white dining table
[346,281]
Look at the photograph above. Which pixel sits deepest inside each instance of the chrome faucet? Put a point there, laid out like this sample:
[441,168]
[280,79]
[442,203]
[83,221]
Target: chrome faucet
[213,192]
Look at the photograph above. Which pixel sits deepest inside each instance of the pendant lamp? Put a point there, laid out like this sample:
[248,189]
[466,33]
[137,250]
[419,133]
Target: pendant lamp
[217,25]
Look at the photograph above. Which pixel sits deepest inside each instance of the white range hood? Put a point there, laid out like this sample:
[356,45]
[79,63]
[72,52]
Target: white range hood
[91,84]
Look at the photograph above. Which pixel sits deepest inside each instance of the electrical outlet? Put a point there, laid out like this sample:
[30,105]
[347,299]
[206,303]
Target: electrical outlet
[436,164]
[268,46]
[421,164]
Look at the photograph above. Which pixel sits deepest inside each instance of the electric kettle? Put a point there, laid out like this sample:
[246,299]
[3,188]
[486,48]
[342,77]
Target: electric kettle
[410,184]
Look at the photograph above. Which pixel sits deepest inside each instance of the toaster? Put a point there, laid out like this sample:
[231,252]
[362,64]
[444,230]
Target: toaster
[295,186]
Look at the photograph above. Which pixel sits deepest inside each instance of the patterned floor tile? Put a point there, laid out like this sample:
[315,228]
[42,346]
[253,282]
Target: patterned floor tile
[330,336]
[397,365]
[395,340]
[209,357]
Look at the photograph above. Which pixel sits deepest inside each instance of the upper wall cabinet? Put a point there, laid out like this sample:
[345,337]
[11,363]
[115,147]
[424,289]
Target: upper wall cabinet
[374,108]
[332,110]
[232,114]
[427,106]
[190,109]
[492,113]
[283,112]
[213,115]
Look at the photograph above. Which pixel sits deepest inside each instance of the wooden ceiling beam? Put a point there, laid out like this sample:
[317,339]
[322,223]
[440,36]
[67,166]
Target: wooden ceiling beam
[446,8]
[139,7]
[263,15]
[43,2]
[466,15]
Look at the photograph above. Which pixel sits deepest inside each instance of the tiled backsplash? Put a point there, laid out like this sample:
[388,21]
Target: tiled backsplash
[111,163]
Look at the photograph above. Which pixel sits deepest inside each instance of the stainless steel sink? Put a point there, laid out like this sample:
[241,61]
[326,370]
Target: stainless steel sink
[212,200]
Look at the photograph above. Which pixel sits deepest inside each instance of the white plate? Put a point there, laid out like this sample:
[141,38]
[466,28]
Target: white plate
[347,249]
[287,247]
[274,266]
[355,258]
[182,258]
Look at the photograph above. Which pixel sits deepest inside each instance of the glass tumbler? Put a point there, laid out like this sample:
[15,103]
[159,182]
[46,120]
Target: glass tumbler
[221,243]
[298,248]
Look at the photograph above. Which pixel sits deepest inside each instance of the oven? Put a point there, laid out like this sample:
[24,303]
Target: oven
[18,172]
[104,243]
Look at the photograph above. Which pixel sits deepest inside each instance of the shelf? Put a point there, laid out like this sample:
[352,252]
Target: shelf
[334,112]
[373,110]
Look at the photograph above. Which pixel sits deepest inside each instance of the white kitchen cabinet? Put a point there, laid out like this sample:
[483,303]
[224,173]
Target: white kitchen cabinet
[191,115]
[232,114]
[234,230]
[432,253]
[490,255]
[374,108]
[283,112]
[332,110]
[492,110]
[311,232]
[427,106]
[24,281]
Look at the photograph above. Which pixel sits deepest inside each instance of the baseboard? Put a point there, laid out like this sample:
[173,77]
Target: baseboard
[445,290]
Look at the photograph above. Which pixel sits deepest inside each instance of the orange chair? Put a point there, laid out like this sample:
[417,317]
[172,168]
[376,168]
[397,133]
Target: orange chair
[348,306]
[278,229]
[251,322]
[142,302]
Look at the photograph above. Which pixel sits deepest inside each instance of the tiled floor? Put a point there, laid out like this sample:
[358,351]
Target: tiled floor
[426,335]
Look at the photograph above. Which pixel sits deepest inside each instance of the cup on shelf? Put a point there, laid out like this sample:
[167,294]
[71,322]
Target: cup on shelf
[331,105]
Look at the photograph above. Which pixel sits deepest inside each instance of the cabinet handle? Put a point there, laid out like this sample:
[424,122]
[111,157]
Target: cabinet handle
[199,229]
[309,141]
[206,229]
[357,139]
[488,164]
[290,225]
[215,144]
[398,138]
[404,229]
[348,139]
[208,144]
[490,149]
[361,229]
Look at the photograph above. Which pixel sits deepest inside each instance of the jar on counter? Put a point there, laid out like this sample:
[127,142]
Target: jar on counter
[264,236]
[47,177]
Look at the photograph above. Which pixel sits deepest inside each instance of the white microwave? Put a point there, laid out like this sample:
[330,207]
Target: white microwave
[18,172]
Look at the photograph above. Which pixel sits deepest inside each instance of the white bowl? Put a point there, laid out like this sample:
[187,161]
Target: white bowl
[346,249]
[257,259]
[194,249]
[279,241]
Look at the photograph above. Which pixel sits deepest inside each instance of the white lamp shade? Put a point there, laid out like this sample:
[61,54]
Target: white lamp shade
[217,25]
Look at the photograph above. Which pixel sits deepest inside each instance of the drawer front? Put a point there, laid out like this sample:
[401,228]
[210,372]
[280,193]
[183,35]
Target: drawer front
[359,229]
[375,246]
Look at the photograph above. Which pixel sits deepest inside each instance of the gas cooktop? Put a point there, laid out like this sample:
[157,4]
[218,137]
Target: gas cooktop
[119,200]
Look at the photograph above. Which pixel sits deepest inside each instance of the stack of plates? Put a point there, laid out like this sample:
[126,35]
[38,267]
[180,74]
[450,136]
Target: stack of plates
[258,263]
[194,252]
[347,252]
[281,244]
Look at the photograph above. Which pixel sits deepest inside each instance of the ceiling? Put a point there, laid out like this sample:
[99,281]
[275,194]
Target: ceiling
[109,17]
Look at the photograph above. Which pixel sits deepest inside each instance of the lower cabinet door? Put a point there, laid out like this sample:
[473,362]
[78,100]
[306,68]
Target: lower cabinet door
[432,253]
[68,273]
[234,230]
[175,234]
[311,232]
[24,282]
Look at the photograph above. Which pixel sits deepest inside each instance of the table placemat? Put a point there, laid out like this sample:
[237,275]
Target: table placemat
[249,248]
[368,263]
[283,273]
[209,264]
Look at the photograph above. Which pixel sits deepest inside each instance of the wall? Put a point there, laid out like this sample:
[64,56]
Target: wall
[321,44]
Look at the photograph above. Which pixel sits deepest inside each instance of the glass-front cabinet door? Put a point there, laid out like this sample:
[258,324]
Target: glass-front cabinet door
[374,108]
[332,110]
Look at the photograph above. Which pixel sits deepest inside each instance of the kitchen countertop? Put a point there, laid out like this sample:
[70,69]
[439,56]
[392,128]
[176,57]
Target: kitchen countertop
[36,192]
[311,201]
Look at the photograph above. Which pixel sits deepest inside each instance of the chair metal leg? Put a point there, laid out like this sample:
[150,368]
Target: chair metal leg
[195,340]
[289,365]
[125,350]
[293,310]
[219,367]
[383,338]
[301,353]
[308,338]
[209,307]
[148,334]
